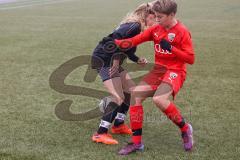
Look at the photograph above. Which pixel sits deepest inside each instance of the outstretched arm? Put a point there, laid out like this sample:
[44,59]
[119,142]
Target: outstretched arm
[134,41]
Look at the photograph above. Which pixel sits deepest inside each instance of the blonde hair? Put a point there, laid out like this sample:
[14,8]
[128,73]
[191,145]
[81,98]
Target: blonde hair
[139,15]
[165,6]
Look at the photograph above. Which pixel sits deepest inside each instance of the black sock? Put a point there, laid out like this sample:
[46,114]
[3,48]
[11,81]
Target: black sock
[102,130]
[107,119]
[137,132]
[122,110]
[120,115]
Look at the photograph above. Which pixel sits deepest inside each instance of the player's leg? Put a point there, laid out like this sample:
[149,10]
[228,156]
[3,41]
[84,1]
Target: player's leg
[161,99]
[139,94]
[127,83]
[146,88]
[114,87]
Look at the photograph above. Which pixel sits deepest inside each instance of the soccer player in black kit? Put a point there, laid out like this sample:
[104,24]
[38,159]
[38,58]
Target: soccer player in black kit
[107,60]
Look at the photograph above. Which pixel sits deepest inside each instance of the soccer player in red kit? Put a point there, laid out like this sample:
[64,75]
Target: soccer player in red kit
[173,50]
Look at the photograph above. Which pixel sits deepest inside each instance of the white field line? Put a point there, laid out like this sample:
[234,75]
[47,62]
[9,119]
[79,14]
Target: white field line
[13,3]
[17,3]
[34,3]
[3,2]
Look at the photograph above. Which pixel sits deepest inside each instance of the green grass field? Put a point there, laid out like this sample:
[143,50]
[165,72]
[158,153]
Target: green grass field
[36,37]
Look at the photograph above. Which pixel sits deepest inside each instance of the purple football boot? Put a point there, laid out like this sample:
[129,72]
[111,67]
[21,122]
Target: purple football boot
[131,147]
[188,138]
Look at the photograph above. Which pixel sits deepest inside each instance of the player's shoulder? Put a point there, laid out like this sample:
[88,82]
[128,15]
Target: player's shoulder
[181,27]
[130,28]
[129,25]
[133,27]
[154,28]
[133,24]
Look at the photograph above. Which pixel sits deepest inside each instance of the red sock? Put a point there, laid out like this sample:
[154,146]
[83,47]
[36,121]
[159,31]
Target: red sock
[175,116]
[136,121]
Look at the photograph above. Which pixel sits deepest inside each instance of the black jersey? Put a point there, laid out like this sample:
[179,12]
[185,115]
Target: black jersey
[126,30]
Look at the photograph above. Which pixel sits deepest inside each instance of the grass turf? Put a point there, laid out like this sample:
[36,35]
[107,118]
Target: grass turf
[37,37]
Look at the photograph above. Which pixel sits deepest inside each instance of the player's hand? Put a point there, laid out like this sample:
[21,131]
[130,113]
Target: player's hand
[115,67]
[142,61]
[165,45]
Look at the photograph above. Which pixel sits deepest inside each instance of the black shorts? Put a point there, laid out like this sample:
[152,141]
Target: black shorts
[103,65]
[104,73]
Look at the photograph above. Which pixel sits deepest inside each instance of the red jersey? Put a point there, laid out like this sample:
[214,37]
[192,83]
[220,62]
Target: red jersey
[179,37]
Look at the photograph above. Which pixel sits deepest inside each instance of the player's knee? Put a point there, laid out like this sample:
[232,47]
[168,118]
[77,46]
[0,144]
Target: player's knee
[133,92]
[120,99]
[136,98]
[160,101]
